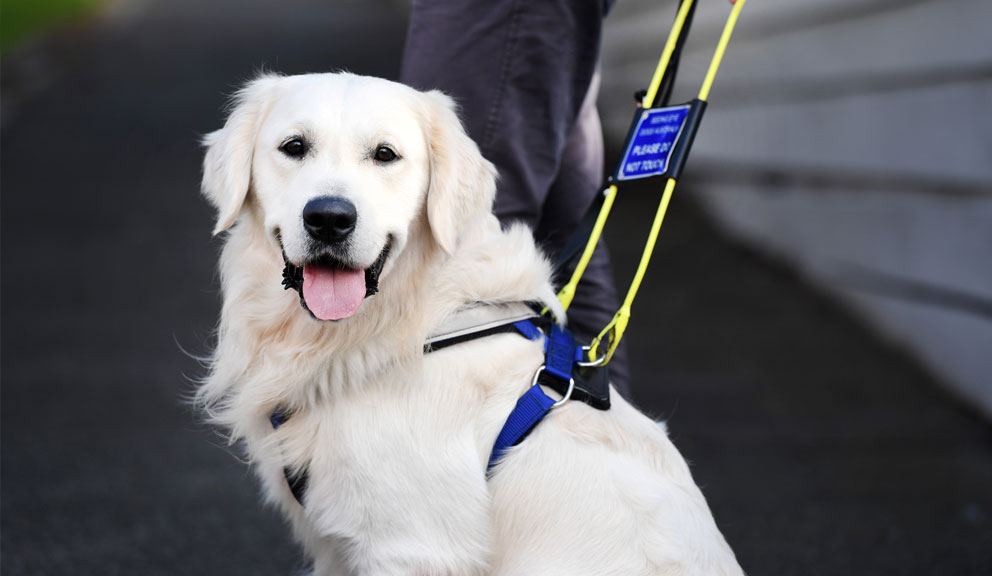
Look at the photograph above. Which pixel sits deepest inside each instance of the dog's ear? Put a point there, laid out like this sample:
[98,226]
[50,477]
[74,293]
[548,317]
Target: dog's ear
[463,183]
[227,164]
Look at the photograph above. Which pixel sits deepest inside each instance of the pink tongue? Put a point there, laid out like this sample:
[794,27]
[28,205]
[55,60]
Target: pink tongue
[333,294]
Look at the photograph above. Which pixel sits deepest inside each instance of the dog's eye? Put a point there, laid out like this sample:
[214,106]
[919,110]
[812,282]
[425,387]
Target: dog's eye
[384,154]
[295,147]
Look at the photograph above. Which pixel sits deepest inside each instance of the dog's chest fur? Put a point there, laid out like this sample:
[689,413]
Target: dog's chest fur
[399,463]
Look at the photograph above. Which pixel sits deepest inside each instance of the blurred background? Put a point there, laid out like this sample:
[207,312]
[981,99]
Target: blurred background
[816,326]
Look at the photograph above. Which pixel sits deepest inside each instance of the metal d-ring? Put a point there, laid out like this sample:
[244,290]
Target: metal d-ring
[537,375]
[592,363]
[568,393]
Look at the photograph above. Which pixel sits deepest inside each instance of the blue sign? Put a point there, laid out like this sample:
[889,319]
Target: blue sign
[654,139]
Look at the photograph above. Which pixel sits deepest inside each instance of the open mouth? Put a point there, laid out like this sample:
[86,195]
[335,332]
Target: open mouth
[331,290]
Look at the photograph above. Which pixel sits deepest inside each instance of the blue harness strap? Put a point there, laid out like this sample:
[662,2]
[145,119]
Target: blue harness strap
[560,355]
[531,408]
[528,329]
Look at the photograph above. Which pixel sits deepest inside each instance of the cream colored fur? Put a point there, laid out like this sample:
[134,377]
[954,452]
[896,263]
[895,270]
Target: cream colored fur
[396,442]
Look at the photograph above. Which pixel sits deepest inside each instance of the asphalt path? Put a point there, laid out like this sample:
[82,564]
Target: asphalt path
[821,449]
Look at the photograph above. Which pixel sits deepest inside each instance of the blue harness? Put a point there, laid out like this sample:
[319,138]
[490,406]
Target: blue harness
[563,371]
[560,355]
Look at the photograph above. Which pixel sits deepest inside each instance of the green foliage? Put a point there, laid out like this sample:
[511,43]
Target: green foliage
[21,18]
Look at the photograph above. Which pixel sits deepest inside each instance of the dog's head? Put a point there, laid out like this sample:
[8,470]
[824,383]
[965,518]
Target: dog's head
[341,172]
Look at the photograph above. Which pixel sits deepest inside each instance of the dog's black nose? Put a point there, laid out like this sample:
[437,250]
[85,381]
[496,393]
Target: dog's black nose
[329,218]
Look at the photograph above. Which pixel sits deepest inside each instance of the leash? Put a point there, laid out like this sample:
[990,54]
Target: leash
[657,146]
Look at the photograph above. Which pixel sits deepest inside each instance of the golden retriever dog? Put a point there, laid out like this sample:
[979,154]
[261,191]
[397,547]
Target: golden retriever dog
[369,197]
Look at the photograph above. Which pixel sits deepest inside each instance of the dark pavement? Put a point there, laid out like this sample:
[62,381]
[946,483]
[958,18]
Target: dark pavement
[822,450]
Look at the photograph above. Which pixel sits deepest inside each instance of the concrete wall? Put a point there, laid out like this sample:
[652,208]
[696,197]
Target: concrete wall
[853,139]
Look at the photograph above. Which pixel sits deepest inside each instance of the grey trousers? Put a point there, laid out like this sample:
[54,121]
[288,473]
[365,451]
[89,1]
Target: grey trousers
[524,74]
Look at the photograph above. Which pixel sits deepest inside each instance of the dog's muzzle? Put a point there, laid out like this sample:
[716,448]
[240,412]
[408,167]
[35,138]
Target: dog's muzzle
[329,289]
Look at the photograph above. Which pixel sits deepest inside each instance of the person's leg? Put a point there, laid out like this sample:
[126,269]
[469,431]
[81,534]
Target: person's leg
[520,70]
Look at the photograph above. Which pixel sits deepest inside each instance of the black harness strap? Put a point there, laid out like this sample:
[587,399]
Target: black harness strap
[298,480]
[541,321]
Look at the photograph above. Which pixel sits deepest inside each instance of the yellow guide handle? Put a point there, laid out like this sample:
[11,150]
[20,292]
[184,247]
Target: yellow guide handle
[567,292]
[666,54]
[721,47]
[613,332]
